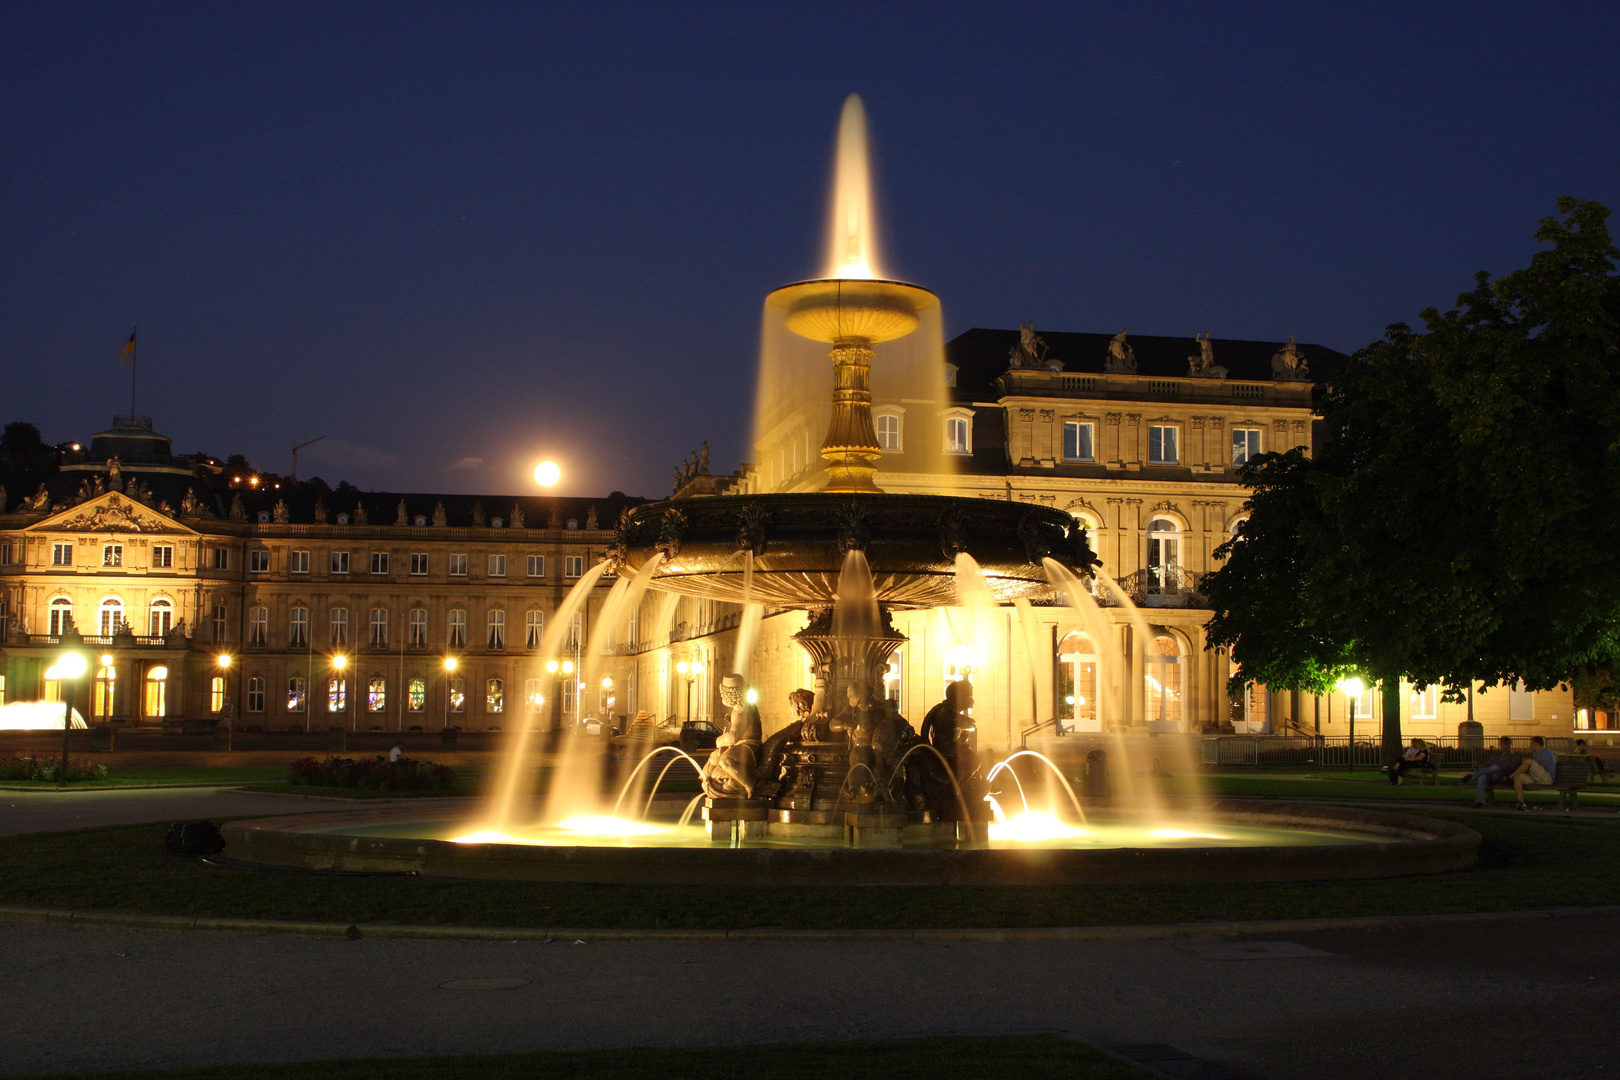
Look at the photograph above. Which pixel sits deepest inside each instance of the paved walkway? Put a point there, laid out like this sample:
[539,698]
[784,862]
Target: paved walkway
[1328,1006]
[45,811]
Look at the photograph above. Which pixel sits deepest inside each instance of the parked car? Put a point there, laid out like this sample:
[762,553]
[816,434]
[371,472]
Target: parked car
[698,735]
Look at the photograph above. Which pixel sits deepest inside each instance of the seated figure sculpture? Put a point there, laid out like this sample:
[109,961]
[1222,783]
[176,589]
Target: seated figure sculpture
[860,721]
[943,730]
[729,772]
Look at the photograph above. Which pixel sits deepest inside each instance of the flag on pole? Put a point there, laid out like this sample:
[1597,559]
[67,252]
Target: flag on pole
[129,348]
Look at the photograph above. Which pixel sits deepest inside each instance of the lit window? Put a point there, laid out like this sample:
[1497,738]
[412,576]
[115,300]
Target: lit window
[6,554]
[958,435]
[159,618]
[497,566]
[216,695]
[377,694]
[1425,702]
[497,630]
[888,431]
[157,692]
[298,628]
[258,626]
[258,562]
[458,566]
[417,637]
[537,566]
[458,694]
[1164,556]
[255,694]
[379,628]
[416,696]
[419,564]
[458,629]
[1164,679]
[495,696]
[892,678]
[1245,445]
[339,623]
[534,628]
[112,555]
[163,557]
[573,566]
[112,617]
[1162,444]
[61,554]
[300,562]
[337,694]
[61,616]
[340,562]
[533,695]
[295,694]
[1077,441]
[379,562]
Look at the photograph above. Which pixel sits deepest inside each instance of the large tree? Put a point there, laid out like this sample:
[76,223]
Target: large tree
[1457,523]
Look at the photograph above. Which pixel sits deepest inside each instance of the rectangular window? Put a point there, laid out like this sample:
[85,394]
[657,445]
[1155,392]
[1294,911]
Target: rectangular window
[340,562]
[377,694]
[5,554]
[1521,704]
[298,628]
[534,628]
[337,695]
[295,694]
[340,626]
[537,566]
[497,566]
[300,562]
[222,558]
[458,566]
[259,626]
[216,695]
[255,694]
[1077,441]
[416,698]
[418,632]
[1245,445]
[379,562]
[379,628]
[956,435]
[112,555]
[1162,445]
[162,557]
[573,566]
[1425,703]
[888,433]
[61,554]
[221,622]
[458,629]
[576,633]
[497,630]
[418,564]
[259,562]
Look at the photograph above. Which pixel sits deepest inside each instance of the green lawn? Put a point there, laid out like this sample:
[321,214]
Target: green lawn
[162,776]
[1030,1057]
[1369,785]
[1528,861]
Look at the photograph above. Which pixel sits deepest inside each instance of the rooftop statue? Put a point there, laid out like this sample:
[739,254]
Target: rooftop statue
[1030,352]
[1203,366]
[1288,364]
[1121,357]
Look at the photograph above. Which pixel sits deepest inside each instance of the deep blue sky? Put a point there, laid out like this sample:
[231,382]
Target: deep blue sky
[439,233]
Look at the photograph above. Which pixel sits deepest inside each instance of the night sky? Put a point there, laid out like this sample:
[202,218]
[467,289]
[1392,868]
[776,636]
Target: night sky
[455,238]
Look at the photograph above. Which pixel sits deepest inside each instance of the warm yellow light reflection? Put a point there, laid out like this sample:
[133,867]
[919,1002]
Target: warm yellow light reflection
[593,825]
[1183,834]
[547,473]
[1033,826]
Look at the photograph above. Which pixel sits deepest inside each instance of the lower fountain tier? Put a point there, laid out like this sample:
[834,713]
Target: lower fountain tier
[799,541]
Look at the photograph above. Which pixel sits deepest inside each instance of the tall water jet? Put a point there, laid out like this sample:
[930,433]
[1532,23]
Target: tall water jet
[852,240]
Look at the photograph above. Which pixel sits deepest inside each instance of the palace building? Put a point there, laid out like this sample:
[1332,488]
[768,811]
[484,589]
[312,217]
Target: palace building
[401,611]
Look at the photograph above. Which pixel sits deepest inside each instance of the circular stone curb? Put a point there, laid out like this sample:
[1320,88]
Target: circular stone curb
[1401,844]
[108,920]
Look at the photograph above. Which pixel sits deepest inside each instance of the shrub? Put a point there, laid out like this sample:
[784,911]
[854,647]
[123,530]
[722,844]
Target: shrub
[36,767]
[376,774]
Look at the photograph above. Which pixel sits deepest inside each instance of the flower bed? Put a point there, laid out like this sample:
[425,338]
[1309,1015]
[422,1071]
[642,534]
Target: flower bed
[48,769]
[376,773]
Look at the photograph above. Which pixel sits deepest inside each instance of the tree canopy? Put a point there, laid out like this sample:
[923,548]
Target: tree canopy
[1457,523]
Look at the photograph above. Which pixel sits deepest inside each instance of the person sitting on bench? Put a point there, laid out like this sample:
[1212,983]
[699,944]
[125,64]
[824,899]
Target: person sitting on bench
[1416,756]
[1541,767]
[1599,768]
[1496,770]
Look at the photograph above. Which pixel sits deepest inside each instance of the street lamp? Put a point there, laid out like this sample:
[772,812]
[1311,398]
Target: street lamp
[69,667]
[224,662]
[1352,687]
[449,671]
[689,672]
[339,663]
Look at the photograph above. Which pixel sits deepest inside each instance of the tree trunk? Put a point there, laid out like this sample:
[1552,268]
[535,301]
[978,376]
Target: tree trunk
[1392,721]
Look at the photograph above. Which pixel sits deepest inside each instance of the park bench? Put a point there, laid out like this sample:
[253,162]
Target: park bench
[1569,780]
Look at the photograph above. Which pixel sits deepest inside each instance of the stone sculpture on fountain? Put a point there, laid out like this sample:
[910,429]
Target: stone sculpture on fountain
[730,772]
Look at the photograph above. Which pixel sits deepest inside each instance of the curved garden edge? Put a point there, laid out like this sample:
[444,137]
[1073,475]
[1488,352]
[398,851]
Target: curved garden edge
[109,920]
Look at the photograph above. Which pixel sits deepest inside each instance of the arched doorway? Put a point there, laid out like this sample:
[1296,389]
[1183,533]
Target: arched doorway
[1163,683]
[1078,705]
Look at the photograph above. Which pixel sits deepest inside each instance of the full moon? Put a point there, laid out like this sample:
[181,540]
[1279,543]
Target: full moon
[546,473]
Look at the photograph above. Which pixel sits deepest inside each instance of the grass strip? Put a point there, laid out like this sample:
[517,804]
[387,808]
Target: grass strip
[1030,1057]
[161,776]
[1527,861]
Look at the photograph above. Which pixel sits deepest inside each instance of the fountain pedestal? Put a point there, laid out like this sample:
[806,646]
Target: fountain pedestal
[736,819]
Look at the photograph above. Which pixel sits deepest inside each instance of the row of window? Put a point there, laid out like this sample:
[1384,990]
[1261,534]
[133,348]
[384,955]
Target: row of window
[111,555]
[1079,439]
[160,617]
[298,563]
[376,697]
[416,628]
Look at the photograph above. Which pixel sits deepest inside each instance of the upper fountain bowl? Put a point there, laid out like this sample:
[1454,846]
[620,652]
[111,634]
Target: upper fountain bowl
[852,309]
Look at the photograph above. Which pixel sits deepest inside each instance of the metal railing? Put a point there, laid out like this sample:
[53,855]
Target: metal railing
[1334,751]
[1159,586]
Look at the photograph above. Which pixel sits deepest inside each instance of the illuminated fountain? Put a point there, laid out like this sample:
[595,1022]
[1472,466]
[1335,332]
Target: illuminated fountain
[848,773]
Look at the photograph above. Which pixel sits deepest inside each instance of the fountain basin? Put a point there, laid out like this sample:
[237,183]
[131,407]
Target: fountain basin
[799,541]
[1260,843]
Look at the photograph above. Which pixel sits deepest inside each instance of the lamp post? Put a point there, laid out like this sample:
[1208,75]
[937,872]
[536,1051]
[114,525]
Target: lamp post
[1352,688]
[449,672]
[69,667]
[339,664]
[223,660]
[689,672]
[568,673]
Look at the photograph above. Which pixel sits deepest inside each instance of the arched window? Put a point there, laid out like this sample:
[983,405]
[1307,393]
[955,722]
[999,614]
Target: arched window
[458,694]
[533,695]
[1164,556]
[379,628]
[416,698]
[216,695]
[106,687]
[255,694]
[61,616]
[1164,680]
[112,616]
[296,692]
[157,692]
[340,626]
[1077,683]
[377,694]
[495,696]
[497,630]
[337,694]
[159,618]
[534,628]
